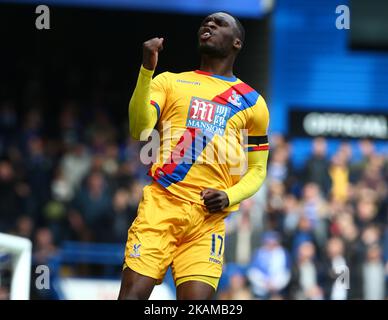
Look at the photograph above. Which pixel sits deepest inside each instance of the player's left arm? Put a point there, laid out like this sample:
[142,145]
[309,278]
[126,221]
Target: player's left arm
[258,151]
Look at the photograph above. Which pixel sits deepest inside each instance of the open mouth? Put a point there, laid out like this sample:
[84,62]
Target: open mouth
[206,34]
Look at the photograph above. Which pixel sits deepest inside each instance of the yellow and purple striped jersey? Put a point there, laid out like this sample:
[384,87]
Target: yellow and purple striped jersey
[200,116]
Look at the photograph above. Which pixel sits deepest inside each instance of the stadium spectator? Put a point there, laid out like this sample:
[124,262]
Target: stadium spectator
[315,209]
[44,247]
[317,166]
[304,284]
[75,164]
[123,216]
[238,287]
[373,276]
[275,205]
[269,271]
[24,227]
[292,214]
[367,150]
[94,204]
[339,174]
[10,194]
[38,175]
[241,238]
[70,128]
[336,270]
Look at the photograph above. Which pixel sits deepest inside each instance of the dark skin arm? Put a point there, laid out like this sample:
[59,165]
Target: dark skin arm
[214,200]
[151,49]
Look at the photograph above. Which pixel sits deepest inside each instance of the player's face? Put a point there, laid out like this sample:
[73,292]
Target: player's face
[217,35]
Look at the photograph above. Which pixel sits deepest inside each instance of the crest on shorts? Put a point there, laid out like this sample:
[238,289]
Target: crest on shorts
[135,250]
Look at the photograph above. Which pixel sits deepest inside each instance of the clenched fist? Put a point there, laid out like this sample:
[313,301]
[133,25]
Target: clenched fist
[151,49]
[214,200]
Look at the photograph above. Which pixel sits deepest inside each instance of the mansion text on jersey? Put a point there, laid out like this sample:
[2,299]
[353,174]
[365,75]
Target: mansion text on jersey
[205,126]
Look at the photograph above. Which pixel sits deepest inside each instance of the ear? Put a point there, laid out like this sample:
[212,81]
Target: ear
[237,44]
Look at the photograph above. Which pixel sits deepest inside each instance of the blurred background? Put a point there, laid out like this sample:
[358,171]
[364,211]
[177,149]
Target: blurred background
[71,179]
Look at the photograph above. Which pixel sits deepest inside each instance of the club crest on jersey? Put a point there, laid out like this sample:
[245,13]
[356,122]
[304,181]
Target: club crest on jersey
[135,251]
[235,99]
[208,116]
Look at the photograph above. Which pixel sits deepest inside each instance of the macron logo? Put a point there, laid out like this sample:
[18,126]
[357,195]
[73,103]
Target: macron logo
[196,83]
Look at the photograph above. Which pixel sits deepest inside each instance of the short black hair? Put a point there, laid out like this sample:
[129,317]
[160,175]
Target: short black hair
[240,27]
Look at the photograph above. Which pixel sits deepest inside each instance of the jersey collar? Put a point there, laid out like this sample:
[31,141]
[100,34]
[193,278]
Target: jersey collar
[231,79]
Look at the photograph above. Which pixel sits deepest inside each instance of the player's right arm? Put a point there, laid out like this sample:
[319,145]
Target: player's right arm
[141,115]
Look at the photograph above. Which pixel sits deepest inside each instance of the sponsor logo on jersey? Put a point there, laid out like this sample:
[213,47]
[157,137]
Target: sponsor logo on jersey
[208,116]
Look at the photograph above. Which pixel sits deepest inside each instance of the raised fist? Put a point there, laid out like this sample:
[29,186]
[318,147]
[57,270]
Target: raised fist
[151,49]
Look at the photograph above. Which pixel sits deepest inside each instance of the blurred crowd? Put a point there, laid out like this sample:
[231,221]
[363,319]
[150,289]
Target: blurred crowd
[72,177]
[317,232]
[78,183]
